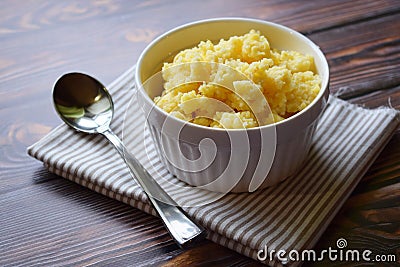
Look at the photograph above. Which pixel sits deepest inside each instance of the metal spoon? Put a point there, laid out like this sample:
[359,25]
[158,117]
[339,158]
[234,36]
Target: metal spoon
[85,104]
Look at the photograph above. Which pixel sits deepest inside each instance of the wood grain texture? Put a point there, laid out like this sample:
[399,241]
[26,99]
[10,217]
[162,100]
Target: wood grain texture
[363,61]
[48,221]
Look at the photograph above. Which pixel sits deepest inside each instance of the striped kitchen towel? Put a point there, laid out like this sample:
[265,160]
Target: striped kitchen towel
[291,216]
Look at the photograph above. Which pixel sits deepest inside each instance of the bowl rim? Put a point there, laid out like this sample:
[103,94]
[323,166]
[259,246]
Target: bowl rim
[323,93]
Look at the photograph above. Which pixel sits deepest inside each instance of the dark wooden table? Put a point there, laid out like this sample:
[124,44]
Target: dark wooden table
[46,220]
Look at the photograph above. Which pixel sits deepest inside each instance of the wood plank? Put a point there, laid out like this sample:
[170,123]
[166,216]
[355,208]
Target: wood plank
[361,60]
[389,97]
[81,227]
[61,24]
[304,15]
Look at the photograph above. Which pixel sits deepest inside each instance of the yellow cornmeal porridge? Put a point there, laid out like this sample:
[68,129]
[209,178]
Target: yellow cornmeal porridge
[286,79]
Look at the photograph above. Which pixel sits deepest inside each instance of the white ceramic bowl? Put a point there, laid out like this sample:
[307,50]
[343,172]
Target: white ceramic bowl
[240,160]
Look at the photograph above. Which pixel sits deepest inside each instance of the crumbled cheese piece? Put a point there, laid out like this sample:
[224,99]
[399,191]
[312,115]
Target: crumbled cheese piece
[242,73]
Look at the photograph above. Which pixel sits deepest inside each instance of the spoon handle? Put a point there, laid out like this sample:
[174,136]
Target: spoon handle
[182,229]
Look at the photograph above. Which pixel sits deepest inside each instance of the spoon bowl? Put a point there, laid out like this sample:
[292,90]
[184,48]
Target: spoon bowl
[84,103]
